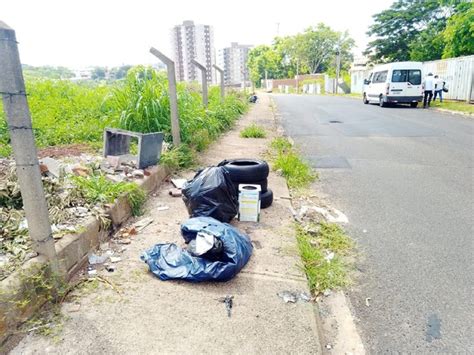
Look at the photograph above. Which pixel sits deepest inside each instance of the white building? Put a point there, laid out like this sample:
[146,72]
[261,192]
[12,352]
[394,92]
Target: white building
[193,41]
[233,60]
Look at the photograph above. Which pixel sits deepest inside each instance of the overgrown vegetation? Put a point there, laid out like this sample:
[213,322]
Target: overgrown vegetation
[253,131]
[298,174]
[322,256]
[454,106]
[97,189]
[64,112]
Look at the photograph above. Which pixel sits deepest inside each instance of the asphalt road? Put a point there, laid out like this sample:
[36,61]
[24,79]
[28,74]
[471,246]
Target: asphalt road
[404,177]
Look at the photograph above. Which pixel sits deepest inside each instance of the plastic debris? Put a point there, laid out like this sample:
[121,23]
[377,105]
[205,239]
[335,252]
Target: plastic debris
[367,301]
[211,193]
[175,192]
[162,208]
[178,183]
[97,259]
[115,259]
[228,300]
[294,296]
[168,261]
[142,224]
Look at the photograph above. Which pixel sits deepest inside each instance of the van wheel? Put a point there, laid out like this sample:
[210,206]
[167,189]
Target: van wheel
[365,99]
[381,102]
[413,104]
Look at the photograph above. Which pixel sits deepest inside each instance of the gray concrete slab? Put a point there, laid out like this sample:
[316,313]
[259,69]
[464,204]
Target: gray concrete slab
[410,203]
[153,316]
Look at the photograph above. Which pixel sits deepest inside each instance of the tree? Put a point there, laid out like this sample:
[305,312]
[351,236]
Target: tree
[399,26]
[264,58]
[459,33]
[98,73]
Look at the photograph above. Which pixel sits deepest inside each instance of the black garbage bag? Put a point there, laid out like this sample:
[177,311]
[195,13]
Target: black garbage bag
[211,193]
[169,261]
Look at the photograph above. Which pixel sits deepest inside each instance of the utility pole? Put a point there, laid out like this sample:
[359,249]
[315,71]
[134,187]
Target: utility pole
[203,69]
[338,68]
[221,73]
[15,105]
[297,74]
[175,130]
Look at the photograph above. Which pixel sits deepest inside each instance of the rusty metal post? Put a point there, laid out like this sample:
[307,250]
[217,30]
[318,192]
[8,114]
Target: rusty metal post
[203,69]
[15,105]
[175,131]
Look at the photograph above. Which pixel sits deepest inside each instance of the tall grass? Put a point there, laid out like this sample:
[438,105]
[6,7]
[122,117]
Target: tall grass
[64,112]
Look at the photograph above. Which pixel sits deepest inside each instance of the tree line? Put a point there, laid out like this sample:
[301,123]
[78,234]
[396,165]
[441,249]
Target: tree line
[419,30]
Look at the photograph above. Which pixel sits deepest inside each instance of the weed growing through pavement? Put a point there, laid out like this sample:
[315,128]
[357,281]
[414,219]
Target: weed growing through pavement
[298,174]
[321,254]
[323,247]
[253,131]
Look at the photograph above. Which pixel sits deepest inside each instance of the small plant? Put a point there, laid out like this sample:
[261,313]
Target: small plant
[98,189]
[298,174]
[177,158]
[324,272]
[253,131]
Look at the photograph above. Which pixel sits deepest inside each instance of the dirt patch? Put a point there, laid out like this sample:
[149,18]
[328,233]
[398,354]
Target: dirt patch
[70,150]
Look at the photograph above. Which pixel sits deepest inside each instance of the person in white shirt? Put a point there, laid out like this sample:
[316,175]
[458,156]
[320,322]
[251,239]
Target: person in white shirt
[438,90]
[428,87]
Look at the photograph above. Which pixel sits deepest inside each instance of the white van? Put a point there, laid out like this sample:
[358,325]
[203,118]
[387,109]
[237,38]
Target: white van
[397,83]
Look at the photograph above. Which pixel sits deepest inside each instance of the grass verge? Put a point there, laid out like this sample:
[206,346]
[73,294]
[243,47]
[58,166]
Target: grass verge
[324,247]
[253,131]
[459,106]
[322,256]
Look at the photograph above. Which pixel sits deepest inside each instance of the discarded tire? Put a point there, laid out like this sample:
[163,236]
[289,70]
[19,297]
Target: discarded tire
[266,199]
[246,171]
[263,185]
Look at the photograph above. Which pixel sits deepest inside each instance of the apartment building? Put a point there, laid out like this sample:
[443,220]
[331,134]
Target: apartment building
[233,60]
[193,41]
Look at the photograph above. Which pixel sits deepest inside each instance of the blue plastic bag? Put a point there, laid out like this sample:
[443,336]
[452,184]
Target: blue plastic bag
[169,261]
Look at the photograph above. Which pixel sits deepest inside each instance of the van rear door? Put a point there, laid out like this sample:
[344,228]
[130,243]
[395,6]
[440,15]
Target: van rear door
[406,82]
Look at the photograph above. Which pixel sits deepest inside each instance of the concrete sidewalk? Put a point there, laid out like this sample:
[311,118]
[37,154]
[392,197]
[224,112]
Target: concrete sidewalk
[153,316]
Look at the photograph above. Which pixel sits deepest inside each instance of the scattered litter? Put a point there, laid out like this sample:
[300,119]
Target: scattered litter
[80,171]
[124,233]
[162,208]
[143,223]
[178,183]
[367,301]
[23,225]
[228,300]
[109,267]
[115,259]
[138,173]
[176,192]
[293,297]
[97,259]
[329,256]
[327,292]
[333,215]
[124,241]
[54,167]
[92,272]
[328,346]
[364,231]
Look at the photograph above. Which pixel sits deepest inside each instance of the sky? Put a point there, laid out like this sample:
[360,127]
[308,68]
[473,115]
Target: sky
[81,33]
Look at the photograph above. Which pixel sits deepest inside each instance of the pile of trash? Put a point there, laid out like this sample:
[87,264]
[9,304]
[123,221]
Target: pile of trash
[215,250]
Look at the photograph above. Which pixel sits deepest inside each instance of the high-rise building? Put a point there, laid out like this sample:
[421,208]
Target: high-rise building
[193,41]
[233,60]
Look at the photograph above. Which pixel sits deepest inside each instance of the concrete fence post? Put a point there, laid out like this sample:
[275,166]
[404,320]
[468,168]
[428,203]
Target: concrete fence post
[203,70]
[15,105]
[175,131]
[221,75]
